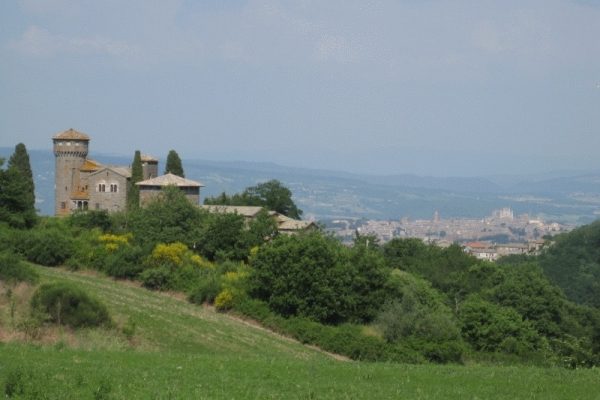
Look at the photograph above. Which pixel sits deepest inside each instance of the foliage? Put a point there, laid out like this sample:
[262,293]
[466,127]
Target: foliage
[91,219]
[13,270]
[19,161]
[69,305]
[222,237]
[157,278]
[262,228]
[303,275]
[271,195]
[206,290]
[418,317]
[137,175]
[313,276]
[224,300]
[168,218]
[50,246]
[489,327]
[16,198]
[174,165]
[572,262]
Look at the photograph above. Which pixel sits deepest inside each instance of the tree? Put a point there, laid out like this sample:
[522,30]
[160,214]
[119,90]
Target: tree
[168,218]
[20,161]
[275,197]
[304,275]
[174,164]
[16,205]
[271,195]
[137,175]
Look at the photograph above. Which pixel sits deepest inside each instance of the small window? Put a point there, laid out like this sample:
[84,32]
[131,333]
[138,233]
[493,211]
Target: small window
[63,205]
[101,187]
[113,188]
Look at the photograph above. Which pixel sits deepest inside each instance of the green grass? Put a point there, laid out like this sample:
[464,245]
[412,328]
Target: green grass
[182,351]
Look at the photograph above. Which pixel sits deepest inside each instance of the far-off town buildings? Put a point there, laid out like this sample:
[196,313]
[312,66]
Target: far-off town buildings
[82,183]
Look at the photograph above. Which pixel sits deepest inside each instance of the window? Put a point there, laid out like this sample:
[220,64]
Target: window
[113,188]
[101,187]
[63,205]
[97,206]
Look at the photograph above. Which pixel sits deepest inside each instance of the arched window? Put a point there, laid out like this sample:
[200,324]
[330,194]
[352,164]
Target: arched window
[102,187]
[113,188]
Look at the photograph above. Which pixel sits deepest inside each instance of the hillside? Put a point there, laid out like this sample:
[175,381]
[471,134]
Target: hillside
[184,351]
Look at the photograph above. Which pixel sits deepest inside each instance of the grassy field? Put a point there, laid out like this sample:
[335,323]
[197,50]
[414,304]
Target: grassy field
[182,351]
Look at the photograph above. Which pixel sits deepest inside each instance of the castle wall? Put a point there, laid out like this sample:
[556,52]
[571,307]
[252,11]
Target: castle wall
[149,193]
[108,191]
[150,169]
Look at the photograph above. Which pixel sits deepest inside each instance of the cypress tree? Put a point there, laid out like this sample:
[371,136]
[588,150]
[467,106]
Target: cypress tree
[137,175]
[16,201]
[20,162]
[174,164]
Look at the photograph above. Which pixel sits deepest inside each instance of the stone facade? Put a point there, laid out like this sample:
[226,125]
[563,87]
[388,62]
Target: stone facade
[82,183]
[151,188]
[109,189]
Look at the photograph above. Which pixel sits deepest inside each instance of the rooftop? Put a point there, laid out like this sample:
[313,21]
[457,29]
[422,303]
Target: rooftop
[246,211]
[170,180]
[148,158]
[71,134]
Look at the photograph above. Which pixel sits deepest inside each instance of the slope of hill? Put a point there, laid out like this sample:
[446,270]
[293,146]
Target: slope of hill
[186,351]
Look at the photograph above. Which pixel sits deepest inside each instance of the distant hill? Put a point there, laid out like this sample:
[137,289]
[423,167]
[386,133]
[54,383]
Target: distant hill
[324,194]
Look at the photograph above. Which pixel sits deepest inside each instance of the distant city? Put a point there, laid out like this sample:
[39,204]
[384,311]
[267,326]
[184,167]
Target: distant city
[501,233]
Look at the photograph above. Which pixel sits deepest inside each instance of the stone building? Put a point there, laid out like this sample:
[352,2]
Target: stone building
[82,183]
[151,188]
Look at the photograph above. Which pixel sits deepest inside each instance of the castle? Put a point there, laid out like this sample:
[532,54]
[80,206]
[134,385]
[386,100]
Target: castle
[81,183]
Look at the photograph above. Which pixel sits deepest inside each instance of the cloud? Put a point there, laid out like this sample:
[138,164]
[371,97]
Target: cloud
[36,41]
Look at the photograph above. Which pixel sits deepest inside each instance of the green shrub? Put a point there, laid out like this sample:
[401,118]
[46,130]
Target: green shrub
[65,304]
[489,327]
[46,246]
[91,219]
[156,278]
[14,270]
[206,290]
[123,262]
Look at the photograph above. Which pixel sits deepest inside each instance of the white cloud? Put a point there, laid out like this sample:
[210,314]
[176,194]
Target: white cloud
[38,41]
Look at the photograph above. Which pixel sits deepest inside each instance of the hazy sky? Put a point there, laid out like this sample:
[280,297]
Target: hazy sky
[428,87]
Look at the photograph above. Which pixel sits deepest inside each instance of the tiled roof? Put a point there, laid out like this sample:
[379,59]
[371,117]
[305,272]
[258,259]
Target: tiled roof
[90,166]
[246,211]
[148,158]
[123,171]
[71,134]
[170,180]
[289,224]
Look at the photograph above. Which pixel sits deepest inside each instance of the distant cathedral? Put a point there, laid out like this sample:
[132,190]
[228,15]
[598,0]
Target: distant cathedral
[81,183]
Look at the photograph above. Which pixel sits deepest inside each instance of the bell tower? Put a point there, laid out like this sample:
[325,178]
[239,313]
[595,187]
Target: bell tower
[70,153]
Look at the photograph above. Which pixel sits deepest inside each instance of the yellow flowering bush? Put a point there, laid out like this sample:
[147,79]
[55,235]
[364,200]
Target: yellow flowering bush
[112,242]
[172,253]
[201,262]
[224,300]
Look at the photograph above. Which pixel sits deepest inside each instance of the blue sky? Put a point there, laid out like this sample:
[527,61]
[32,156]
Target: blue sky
[428,87]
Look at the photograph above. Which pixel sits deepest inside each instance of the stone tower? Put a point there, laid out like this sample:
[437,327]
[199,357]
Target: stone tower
[149,166]
[70,152]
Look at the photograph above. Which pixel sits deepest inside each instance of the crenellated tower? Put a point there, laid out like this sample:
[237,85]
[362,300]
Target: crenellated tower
[70,152]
